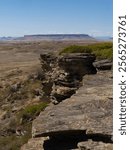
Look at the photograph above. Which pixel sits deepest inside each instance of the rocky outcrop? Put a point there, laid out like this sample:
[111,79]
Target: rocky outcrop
[62,74]
[90,110]
[83,121]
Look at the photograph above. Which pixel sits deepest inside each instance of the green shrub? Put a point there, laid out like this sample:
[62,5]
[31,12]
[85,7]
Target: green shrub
[101,50]
[31,111]
[76,49]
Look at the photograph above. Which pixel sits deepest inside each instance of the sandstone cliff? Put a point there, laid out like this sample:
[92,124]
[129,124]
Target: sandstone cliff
[62,74]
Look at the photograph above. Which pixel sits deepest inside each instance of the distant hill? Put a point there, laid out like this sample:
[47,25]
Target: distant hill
[104,38]
[57,37]
[6,38]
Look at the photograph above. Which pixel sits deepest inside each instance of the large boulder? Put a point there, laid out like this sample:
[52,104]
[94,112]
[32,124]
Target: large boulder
[77,63]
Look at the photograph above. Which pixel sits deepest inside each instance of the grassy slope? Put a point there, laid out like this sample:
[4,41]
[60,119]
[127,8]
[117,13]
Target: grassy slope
[101,50]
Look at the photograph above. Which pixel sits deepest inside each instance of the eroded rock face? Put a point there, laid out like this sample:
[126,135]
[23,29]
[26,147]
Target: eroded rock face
[63,73]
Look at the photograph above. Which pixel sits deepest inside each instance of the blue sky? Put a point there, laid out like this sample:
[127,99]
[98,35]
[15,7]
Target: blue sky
[22,17]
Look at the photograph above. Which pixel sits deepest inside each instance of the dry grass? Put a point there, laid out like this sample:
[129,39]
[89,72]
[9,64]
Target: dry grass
[24,56]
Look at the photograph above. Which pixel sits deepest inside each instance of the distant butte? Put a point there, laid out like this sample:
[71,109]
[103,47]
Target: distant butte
[57,37]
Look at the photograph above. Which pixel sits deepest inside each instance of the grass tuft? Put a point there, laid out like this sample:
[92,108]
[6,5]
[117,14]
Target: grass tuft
[30,112]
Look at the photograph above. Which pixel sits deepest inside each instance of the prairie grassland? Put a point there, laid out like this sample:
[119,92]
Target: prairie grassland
[24,56]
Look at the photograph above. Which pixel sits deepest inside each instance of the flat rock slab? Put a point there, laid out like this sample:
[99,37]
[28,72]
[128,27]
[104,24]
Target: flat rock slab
[89,109]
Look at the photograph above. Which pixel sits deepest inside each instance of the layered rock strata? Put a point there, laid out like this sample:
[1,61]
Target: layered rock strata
[62,74]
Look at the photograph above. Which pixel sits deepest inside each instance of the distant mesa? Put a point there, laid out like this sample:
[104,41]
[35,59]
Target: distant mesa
[54,37]
[59,36]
